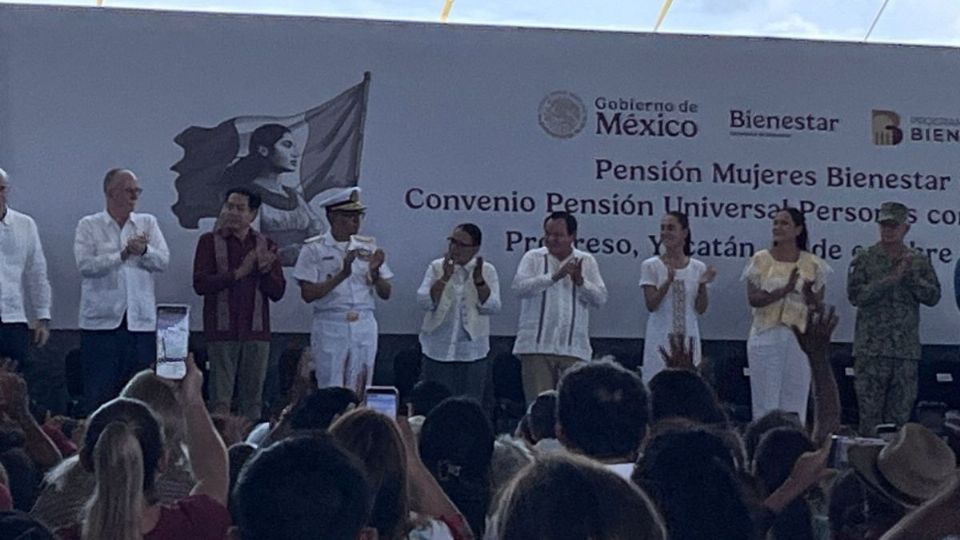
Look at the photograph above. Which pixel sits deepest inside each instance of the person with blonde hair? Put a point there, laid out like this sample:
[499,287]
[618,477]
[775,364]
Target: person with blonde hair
[68,486]
[128,451]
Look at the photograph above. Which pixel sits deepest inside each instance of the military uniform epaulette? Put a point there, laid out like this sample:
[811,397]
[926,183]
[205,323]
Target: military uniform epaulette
[313,239]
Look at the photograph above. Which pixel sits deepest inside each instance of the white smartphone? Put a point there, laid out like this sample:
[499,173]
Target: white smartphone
[173,337]
[383,399]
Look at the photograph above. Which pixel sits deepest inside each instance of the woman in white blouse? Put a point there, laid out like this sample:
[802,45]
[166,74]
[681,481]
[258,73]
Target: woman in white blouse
[675,290]
[782,284]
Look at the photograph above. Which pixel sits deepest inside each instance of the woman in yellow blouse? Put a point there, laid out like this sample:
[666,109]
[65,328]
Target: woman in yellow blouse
[783,282]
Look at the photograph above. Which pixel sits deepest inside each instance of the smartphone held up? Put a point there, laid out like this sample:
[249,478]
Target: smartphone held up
[173,337]
[383,399]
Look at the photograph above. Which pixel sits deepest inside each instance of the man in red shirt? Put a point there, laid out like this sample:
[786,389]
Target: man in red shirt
[237,271]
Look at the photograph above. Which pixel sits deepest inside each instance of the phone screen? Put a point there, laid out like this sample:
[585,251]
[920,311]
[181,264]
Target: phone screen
[838,458]
[383,399]
[173,336]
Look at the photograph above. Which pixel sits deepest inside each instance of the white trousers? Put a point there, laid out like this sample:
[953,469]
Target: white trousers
[344,352]
[779,373]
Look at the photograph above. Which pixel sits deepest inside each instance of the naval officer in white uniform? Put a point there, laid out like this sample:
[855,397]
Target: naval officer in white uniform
[339,273]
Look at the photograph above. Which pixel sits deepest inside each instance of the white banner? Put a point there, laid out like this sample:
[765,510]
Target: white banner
[496,126]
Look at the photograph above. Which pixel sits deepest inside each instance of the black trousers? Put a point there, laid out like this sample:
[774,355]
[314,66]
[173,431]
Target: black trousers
[15,342]
[110,359]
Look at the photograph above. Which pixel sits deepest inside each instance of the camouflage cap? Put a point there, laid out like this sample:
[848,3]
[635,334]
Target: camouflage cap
[893,211]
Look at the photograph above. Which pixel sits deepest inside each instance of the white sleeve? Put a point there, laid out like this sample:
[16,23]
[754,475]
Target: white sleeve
[157,256]
[492,305]
[35,272]
[306,268]
[594,290]
[89,263]
[648,273]
[423,292]
[823,270]
[529,279]
[385,271]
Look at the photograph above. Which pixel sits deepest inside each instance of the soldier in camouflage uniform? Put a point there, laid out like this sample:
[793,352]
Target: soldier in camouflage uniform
[887,282]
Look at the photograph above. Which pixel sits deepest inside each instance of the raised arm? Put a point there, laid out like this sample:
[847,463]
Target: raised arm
[815,342]
[15,403]
[208,455]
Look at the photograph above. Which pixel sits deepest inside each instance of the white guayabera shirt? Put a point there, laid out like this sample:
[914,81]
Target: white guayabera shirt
[23,269]
[110,286]
[555,315]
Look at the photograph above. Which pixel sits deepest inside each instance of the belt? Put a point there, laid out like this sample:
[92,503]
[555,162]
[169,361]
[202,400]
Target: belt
[349,316]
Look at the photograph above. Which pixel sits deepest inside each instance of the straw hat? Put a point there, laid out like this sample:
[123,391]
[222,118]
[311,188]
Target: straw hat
[912,469]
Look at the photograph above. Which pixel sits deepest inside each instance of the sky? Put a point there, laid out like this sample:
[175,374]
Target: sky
[930,22]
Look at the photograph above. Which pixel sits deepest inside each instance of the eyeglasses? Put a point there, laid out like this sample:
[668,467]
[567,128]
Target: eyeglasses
[458,243]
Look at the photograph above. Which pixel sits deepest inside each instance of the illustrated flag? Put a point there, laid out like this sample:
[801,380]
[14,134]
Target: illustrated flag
[330,157]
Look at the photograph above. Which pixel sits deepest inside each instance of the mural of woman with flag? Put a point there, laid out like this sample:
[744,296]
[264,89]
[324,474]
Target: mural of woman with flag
[285,217]
[254,151]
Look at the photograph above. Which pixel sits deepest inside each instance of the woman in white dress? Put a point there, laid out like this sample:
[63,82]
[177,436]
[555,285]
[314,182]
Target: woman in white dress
[675,290]
[782,284]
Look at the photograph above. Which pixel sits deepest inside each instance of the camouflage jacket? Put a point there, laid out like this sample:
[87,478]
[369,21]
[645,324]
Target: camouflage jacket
[888,312]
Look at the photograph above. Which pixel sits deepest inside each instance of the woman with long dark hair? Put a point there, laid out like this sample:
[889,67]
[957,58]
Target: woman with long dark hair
[783,283]
[675,292]
[285,217]
[408,503]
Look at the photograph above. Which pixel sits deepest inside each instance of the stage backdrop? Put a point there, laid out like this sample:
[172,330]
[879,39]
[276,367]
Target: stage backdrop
[442,124]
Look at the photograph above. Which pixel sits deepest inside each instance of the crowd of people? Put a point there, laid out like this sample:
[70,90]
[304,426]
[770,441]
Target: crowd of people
[602,452]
